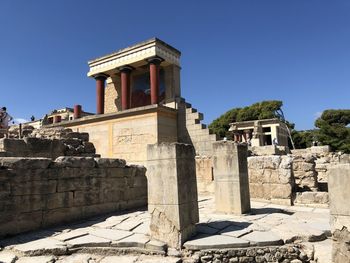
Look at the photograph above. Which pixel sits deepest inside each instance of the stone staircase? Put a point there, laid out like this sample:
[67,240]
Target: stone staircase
[196,133]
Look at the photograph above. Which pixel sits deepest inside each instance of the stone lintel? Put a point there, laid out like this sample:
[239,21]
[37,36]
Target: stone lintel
[135,56]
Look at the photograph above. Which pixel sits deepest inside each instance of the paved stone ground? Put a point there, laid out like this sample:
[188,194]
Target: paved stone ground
[105,238]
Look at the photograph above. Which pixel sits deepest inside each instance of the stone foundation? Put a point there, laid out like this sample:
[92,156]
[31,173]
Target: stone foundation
[271,178]
[286,254]
[312,198]
[39,192]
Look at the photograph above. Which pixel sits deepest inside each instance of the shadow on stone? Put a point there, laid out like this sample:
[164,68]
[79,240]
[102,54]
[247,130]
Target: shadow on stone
[269,210]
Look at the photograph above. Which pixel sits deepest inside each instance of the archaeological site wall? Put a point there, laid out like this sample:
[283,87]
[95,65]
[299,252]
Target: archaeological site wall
[271,178]
[126,134]
[40,192]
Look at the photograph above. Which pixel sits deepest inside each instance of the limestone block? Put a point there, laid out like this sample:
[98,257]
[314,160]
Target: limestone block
[172,192]
[84,136]
[75,162]
[231,177]
[281,191]
[34,187]
[312,198]
[28,203]
[109,162]
[25,162]
[76,184]
[44,147]
[59,200]
[61,216]
[14,146]
[339,194]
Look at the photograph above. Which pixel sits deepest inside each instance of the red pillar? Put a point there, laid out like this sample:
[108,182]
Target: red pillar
[77,111]
[125,86]
[154,78]
[100,93]
[57,119]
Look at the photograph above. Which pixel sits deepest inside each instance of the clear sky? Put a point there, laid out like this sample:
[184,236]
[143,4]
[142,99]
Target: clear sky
[234,53]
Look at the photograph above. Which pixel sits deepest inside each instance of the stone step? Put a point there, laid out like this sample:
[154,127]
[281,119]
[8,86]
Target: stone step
[188,105]
[199,126]
[191,110]
[194,115]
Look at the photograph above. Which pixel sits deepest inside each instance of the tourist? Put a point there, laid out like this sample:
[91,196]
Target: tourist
[32,118]
[275,142]
[5,118]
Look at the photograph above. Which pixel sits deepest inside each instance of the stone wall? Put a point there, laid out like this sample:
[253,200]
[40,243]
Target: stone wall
[49,143]
[271,178]
[324,159]
[304,172]
[339,195]
[39,192]
[126,134]
[204,174]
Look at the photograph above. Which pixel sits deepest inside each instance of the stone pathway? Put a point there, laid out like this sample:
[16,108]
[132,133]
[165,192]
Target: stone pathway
[102,239]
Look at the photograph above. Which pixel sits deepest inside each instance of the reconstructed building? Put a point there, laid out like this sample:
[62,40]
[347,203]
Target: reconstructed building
[260,132]
[138,102]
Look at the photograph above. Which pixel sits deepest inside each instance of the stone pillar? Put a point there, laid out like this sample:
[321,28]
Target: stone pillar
[77,111]
[339,197]
[231,177]
[57,119]
[236,137]
[172,192]
[125,86]
[154,78]
[100,93]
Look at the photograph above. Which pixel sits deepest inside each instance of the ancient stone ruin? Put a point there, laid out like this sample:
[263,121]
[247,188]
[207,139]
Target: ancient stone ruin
[140,177]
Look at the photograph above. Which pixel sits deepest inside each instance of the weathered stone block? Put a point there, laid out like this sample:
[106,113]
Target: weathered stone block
[339,196]
[172,192]
[281,191]
[231,177]
[15,147]
[34,187]
[109,162]
[59,200]
[25,163]
[75,162]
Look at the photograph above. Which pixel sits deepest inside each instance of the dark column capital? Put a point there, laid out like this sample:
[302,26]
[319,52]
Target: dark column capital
[126,69]
[100,76]
[155,60]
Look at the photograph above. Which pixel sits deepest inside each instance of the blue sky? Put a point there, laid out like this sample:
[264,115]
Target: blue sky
[234,53]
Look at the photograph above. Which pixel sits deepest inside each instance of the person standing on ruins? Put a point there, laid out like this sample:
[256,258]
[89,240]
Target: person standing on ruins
[5,118]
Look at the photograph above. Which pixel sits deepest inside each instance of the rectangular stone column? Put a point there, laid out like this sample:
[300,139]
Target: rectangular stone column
[172,192]
[231,177]
[339,198]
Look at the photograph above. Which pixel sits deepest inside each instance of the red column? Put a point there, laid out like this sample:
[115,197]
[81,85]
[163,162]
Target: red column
[154,78]
[77,111]
[100,93]
[125,86]
[57,119]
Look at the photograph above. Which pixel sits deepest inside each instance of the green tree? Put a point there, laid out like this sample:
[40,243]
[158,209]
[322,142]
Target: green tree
[333,130]
[303,139]
[257,111]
